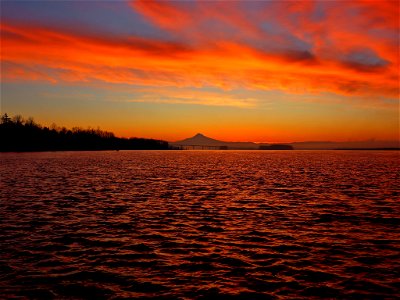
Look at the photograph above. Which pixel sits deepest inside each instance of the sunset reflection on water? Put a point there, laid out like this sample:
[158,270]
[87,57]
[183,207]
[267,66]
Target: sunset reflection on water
[200,224]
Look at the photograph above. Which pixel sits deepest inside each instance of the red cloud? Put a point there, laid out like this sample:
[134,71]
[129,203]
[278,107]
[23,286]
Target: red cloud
[346,48]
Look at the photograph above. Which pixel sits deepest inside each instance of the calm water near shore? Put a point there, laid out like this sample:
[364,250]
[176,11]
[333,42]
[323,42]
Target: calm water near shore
[200,225]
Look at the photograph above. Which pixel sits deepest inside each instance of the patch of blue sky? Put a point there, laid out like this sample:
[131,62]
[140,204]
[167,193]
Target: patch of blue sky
[115,18]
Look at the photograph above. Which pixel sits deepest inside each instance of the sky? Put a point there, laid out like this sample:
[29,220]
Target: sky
[262,71]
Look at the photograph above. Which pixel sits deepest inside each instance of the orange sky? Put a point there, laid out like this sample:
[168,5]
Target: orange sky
[260,71]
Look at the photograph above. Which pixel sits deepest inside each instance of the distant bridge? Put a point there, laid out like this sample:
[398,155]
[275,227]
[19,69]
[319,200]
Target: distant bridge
[201,147]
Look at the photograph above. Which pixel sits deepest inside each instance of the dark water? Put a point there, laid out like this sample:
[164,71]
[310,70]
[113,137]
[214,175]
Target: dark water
[200,225]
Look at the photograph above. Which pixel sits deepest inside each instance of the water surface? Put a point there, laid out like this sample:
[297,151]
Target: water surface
[200,225]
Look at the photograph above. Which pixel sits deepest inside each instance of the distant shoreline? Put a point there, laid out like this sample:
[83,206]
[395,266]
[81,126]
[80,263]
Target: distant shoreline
[25,135]
[200,141]
[384,149]
[185,150]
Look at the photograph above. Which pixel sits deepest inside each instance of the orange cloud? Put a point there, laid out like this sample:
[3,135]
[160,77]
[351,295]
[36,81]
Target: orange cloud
[342,56]
[190,96]
[165,14]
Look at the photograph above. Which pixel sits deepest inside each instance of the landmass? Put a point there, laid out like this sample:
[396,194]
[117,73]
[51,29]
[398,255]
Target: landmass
[200,141]
[25,135]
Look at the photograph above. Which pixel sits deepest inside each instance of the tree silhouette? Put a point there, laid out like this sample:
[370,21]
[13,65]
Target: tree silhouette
[18,134]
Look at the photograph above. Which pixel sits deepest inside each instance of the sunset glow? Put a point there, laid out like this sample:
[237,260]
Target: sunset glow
[260,71]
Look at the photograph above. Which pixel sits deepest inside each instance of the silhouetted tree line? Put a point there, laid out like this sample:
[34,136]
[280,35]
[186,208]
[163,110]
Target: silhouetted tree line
[19,134]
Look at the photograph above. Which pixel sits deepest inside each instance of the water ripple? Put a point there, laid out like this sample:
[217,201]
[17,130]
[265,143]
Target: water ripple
[200,225]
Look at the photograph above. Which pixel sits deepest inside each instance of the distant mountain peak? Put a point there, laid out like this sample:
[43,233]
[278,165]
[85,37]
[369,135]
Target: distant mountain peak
[199,135]
[201,140]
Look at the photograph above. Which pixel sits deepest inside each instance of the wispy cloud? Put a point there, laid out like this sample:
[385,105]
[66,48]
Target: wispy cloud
[194,97]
